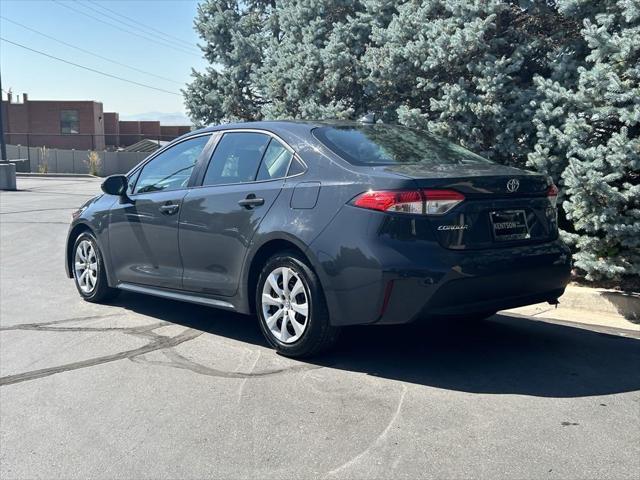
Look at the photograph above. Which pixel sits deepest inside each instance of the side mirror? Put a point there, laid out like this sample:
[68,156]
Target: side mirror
[115,185]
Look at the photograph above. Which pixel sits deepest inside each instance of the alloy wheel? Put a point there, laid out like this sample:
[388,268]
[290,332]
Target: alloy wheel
[285,305]
[86,266]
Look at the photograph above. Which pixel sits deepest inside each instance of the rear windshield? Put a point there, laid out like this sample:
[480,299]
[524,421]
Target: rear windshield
[389,145]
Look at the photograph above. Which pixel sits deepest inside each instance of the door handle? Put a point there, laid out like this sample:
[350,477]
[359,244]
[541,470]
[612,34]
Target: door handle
[169,209]
[251,201]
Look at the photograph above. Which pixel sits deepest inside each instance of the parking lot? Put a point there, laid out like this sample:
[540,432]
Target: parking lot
[152,388]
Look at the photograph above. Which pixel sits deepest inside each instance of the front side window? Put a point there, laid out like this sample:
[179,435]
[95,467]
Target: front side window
[389,145]
[69,122]
[236,158]
[132,179]
[172,168]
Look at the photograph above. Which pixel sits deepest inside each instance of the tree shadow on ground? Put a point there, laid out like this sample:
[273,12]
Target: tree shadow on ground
[502,355]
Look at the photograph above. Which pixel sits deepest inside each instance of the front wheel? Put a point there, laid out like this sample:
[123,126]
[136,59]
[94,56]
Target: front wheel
[292,309]
[89,272]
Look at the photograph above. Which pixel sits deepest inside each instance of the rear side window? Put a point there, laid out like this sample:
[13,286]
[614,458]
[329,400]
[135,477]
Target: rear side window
[389,145]
[236,158]
[171,169]
[296,167]
[275,161]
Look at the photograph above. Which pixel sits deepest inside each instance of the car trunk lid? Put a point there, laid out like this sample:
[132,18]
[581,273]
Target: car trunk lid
[503,206]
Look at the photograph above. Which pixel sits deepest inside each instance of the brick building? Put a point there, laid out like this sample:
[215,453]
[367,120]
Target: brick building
[54,124]
[173,131]
[111,128]
[127,132]
[130,133]
[76,124]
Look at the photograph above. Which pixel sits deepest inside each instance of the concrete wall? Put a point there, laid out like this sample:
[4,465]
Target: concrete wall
[72,161]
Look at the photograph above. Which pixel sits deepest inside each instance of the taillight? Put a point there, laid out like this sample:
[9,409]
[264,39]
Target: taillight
[438,202]
[390,201]
[424,202]
[552,194]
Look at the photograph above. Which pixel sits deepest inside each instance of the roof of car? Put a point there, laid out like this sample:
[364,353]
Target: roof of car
[280,125]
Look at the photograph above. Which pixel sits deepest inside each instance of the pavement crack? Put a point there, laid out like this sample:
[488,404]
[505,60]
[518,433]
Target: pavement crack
[53,192]
[141,330]
[159,343]
[3,222]
[178,361]
[378,440]
[38,210]
[244,382]
[39,325]
[130,330]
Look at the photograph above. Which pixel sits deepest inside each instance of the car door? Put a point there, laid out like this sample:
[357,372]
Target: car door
[143,229]
[218,219]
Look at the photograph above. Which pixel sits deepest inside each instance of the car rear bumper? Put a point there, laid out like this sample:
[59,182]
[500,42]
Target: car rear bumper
[379,279]
[411,301]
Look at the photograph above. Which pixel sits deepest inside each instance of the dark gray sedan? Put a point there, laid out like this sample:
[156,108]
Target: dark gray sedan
[316,225]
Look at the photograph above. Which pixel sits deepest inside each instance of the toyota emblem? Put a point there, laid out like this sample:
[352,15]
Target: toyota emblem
[513,185]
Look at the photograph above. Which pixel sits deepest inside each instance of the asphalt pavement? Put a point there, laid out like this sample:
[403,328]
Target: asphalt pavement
[147,388]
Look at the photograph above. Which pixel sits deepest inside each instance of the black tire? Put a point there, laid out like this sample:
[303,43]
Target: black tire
[101,292]
[318,334]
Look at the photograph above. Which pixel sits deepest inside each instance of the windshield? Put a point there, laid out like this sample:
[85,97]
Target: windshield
[388,145]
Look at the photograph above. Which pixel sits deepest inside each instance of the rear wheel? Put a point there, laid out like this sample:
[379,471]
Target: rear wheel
[89,272]
[291,307]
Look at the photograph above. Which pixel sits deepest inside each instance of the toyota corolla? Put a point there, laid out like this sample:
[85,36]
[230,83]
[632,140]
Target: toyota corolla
[313,226]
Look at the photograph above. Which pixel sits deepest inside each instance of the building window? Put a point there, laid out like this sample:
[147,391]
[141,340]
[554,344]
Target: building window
[69,121]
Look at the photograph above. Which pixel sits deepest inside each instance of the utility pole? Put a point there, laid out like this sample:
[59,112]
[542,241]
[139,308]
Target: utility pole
[3,145]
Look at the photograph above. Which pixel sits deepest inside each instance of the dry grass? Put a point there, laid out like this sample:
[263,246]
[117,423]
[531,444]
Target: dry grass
[94,162]
[43,164]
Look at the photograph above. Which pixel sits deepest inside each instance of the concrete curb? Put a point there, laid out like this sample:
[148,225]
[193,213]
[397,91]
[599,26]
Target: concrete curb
[626,304]
[55,175]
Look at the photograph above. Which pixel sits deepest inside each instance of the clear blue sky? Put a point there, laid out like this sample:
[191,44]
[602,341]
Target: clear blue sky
[47,79]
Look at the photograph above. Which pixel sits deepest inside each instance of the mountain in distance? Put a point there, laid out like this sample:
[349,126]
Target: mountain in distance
[175,118]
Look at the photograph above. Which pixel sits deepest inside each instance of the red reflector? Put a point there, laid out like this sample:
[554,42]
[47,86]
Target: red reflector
[387,296]
[552,195]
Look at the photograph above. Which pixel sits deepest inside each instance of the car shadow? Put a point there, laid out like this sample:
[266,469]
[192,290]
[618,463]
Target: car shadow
[505,354]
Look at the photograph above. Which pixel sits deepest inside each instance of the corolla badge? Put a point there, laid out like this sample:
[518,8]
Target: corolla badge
[453,227]
[513,185]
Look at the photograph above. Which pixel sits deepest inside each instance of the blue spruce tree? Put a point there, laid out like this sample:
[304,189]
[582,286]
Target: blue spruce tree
[548,84]
[588,127]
